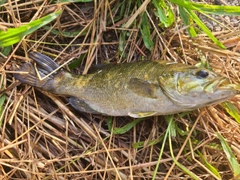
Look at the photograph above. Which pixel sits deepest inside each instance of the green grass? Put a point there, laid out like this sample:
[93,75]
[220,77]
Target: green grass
[49,134]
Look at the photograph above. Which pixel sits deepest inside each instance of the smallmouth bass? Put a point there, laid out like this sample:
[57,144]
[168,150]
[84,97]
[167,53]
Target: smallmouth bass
[137,89]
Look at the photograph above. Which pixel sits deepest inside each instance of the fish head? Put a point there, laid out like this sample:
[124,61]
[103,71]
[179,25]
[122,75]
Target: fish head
[192,87]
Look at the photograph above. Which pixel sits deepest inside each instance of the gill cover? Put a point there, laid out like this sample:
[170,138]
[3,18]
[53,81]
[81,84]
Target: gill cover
[188,87]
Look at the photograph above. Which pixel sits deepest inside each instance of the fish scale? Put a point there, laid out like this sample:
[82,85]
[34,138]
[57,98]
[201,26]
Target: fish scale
[137,89]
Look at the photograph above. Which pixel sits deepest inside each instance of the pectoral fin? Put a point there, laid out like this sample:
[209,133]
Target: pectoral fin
[141,114]
[81,105]
[143,88]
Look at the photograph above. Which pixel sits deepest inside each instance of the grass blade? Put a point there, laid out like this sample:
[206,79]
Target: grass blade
[187,20]
[145,31]
[2,2]
[6,50]
[211,9]
[209,166]
[142,144]
[66,34]
[127,127]
[14,35]
[232,110]
[231,157]
[169,119]
[164,12]
[2,99]
[204,28]
[76,62]
[186,170]
[71,1]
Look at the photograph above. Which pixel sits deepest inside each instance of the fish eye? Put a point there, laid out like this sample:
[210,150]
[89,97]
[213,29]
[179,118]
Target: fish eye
[202,74]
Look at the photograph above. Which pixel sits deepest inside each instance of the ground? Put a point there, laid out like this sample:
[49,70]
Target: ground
[43,137]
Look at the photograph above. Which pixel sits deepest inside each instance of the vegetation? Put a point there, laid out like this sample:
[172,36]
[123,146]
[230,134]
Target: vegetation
[43,137]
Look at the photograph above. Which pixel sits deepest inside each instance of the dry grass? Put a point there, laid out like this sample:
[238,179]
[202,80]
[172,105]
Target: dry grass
[42,137]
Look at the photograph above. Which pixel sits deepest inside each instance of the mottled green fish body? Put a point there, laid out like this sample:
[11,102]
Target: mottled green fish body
[136,89]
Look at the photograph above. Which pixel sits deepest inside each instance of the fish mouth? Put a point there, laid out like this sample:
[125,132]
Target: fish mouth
[221,83]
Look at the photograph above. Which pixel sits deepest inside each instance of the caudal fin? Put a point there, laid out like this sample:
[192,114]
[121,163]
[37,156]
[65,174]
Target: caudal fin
[28,75]
[44,62]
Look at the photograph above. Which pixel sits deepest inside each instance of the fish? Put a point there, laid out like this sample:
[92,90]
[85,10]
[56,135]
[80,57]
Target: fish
[138,89]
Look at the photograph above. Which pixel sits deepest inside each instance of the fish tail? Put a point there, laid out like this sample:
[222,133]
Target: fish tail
[44,62]
[28,75]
